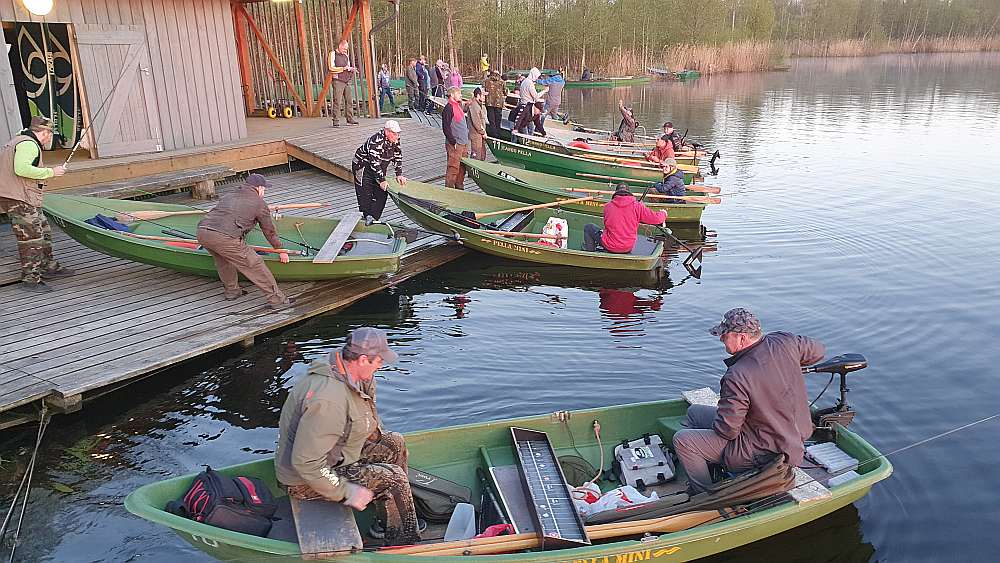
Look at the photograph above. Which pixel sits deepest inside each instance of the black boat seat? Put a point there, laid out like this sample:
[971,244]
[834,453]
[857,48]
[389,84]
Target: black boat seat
[516,222]
[643,246]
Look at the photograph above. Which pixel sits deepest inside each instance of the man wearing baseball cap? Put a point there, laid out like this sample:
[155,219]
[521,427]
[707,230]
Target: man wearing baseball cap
[763,410]
[331,445]
[223,232]
[673,181]
[370,166]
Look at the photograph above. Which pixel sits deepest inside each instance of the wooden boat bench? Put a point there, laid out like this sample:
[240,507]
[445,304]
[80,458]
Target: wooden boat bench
[201,181]
[702,396]
[325,528]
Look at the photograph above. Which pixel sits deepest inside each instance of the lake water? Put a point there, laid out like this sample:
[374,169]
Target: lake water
[861,208]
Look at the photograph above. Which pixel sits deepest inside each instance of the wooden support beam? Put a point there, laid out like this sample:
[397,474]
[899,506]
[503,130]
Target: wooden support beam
[349,24]
[307,90]
[243,56]
[270,55]
[366,50]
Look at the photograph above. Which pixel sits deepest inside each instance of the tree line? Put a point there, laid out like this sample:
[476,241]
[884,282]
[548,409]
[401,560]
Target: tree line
[619,36]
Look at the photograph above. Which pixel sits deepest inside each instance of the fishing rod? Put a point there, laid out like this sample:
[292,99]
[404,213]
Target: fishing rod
[93,119]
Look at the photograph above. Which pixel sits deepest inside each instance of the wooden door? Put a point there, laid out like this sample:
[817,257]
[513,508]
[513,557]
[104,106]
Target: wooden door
[118,88]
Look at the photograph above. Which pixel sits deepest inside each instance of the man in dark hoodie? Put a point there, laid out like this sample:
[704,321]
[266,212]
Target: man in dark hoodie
[331,444]
[622,216]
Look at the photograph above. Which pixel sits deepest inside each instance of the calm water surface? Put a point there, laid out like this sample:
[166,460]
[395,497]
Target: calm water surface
[861,208]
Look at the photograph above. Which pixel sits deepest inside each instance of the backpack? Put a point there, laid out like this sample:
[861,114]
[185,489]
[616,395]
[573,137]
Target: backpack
[435,498]
[238,504]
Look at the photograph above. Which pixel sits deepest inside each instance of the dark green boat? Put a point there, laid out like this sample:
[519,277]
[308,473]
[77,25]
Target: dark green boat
[554,144]
[462,453]
[439,209]
[570,166]
[373,250]
[537,187]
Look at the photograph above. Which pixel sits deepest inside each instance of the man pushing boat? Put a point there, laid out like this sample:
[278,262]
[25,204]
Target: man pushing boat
[331,445]
[763,410]
[223,232]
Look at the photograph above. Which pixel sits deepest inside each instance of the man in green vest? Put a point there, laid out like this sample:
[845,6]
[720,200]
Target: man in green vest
[21,181]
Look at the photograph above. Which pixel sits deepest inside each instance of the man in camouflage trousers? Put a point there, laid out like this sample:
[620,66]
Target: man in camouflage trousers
[21,180]
[331,444]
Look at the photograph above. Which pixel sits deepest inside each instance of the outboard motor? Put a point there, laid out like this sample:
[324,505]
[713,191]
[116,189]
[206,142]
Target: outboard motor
[840,413]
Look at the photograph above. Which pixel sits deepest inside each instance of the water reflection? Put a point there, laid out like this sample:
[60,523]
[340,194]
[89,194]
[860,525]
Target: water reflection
[627,311]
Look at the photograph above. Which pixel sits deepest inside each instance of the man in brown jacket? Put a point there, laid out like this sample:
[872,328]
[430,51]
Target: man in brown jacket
[763,410]
[477,125]
[222,233]
[331,445]
[496,97]
[343,72]
[21,179]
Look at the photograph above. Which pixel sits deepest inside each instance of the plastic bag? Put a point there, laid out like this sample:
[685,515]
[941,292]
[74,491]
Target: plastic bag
[589,500]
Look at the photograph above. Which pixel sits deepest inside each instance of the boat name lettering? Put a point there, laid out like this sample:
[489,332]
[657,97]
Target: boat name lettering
[630,556]
[516,150]
[510,246]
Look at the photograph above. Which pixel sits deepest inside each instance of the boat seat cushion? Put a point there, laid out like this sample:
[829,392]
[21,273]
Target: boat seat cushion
[643,246]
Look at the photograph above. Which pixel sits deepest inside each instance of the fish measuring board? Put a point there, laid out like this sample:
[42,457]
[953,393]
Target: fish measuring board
[557,523]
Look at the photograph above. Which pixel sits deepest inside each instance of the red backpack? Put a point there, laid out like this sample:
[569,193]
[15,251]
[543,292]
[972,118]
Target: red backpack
[239,504]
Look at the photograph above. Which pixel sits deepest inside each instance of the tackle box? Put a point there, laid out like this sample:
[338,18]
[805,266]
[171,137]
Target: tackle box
[644,462]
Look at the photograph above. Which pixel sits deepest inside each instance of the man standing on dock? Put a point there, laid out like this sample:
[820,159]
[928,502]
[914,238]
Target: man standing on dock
[763,410]
[370,165]
[343,73]
[456,139]
[331,444]
[223,232]
[477,124]
[21,181]
[496,97]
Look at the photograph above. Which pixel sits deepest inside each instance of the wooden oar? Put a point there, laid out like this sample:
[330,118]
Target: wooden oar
[691,198]
[530,207]
[171,239]
[698,154]
[637,163]
[517,542]
[152,215]
[690,187]
[525,235]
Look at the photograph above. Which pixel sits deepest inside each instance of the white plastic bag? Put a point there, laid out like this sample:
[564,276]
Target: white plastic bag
[559,228]
[589,500]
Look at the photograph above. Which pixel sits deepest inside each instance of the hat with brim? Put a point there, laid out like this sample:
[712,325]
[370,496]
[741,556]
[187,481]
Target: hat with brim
[257,181]
[370,342]
[738,320]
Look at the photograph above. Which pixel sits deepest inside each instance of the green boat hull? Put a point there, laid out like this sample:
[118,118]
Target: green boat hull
[569,166]
[644,257]
[456,452]
[537,187]
[365,259]
[609,82]
[549,144]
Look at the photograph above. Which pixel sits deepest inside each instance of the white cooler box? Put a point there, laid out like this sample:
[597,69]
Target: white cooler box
[644,461]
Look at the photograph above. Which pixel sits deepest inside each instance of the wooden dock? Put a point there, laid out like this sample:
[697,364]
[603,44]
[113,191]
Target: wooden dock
[117,321]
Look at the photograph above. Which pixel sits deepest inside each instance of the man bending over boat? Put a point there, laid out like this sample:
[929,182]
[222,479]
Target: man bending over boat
[622,216]
[223,232]
[763,410]
[371,165]
[331,445]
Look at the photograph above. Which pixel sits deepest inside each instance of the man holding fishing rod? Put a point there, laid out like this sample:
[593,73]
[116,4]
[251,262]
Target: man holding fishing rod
[223,232]
[21,181]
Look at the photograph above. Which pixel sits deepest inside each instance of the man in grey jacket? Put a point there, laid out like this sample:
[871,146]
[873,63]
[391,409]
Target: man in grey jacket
[763,409]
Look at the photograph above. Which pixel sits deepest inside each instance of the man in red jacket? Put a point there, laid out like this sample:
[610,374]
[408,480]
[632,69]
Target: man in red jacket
[622,216]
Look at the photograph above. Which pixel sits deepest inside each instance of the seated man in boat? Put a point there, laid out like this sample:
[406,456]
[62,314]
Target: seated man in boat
[673,181]
[222,233]
[664,150]
[331,445]
[628,125]
[622,216]
[763,410]
[675,139]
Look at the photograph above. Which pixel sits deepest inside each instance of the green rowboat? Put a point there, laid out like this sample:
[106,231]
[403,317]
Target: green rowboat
[569,166]
[457,452]
[425,204]
[537,187]
[374,251]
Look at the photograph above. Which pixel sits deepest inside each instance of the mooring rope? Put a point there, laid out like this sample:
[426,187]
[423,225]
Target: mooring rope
[25,485]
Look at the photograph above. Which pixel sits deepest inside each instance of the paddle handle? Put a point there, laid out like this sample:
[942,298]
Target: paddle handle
[172,239]
[530,207]
[691,198]
[691,187]
[297,206]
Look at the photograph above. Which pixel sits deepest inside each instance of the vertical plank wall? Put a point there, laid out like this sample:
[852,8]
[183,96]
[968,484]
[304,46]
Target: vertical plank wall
[192,57]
